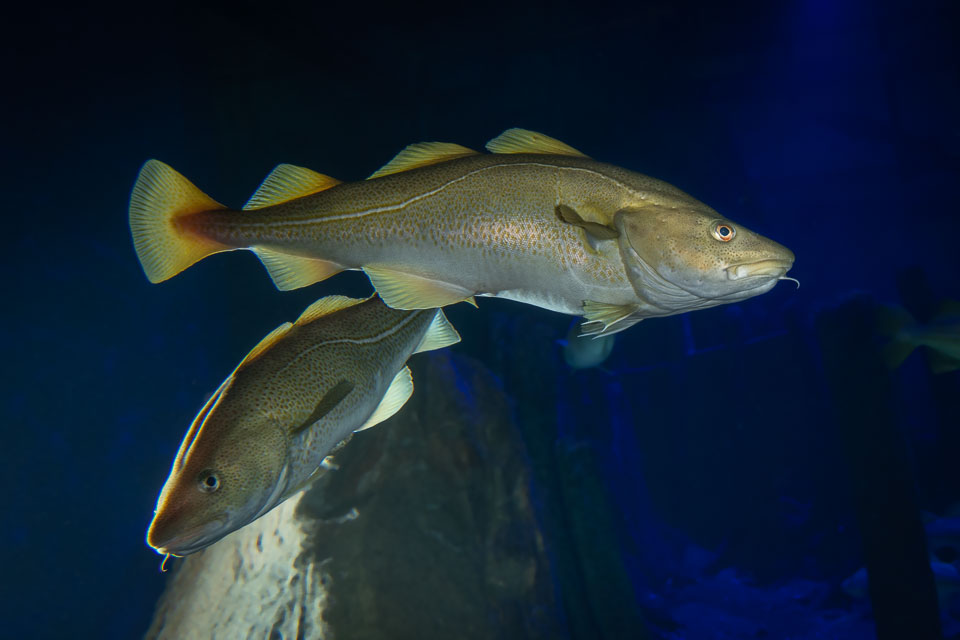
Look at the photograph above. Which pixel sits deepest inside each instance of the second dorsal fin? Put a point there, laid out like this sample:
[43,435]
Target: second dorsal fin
[524,141]
[287,182]
[423,154]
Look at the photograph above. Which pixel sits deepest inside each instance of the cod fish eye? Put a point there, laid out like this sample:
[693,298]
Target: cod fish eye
[208,482]
[724,232]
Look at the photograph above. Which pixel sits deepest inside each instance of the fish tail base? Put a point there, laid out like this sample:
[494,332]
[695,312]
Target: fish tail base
[160,200]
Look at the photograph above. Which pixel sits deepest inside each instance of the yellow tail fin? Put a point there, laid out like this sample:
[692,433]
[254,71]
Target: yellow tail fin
[160,196]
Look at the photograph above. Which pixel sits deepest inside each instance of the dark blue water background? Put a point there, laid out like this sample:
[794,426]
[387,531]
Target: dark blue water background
[829,126]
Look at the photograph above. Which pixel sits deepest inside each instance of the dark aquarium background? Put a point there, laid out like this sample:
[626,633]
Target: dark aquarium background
[720,476]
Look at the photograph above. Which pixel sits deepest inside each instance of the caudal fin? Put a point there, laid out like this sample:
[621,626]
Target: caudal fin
[161,196]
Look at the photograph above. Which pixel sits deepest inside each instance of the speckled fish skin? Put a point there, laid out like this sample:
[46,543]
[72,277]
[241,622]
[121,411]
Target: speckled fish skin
[554,229]
[486,223]
[255,434]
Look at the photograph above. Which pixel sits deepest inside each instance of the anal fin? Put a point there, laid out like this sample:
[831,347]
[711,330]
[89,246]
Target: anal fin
[405,291]
[292,272]
[602,319]
[396,396]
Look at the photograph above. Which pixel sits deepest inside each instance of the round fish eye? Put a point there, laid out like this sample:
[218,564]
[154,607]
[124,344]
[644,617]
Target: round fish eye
[208,482]
[724,232]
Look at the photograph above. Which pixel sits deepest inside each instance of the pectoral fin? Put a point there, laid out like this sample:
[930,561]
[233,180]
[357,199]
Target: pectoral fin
[596,232]
[604,319]
[329,400]
[405,291]
[396,396]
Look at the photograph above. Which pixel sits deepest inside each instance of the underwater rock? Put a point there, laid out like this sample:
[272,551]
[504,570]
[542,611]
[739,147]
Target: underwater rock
[426,530]
[255,583]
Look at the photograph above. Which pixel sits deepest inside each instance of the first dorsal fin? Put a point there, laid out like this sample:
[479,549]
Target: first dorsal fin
[287,182]
[326,306]
[523,141]
[268,341]
[423,154]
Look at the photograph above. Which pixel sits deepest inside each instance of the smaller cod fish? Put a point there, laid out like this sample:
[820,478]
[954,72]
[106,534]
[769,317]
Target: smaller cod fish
[297,396]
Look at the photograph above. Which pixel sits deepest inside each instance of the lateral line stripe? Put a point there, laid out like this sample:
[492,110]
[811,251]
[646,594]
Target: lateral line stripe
[369,340]
[395,207]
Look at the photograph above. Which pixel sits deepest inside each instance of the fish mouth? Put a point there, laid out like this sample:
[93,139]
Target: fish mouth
[193,540]
[767,268]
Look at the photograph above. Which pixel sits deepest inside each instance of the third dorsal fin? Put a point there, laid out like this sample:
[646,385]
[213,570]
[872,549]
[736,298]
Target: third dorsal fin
[423,154]
[287,182]
[439,334]
[524,141]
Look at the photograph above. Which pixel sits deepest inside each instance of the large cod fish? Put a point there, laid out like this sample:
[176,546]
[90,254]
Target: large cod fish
[534,221]
[297,396]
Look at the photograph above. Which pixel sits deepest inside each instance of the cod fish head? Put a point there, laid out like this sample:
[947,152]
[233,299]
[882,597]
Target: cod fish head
[690,257]
[222,479]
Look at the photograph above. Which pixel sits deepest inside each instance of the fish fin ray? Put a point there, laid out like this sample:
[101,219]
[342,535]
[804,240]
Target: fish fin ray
[603,319]
[268,341]
[523,141]
[396,396]
[288,182]
[940,362]
[439,334]
[895,352]
[330,399]
[160,196]
[325,306]
[292,272]
[595,232]
[405,291]
[423,154]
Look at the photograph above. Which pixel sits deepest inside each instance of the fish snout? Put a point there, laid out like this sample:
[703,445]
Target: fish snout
[771,268]
[165,537]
